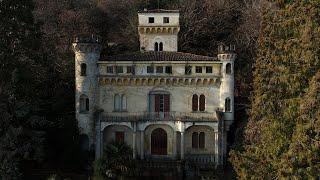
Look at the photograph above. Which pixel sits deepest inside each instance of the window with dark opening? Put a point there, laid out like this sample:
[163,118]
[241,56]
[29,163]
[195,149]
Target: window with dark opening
[195,140]
[83,69]
[109,69]
[228,68]
[151,19]
[150,69]
[165,20]
[169,69]
[208,69]
[84,103]
[228,105]
[202,140]
[195,102]
[161,46]
[159,69]
[202,103]
[130,69]
[156,46]
[198,69]
[119,69]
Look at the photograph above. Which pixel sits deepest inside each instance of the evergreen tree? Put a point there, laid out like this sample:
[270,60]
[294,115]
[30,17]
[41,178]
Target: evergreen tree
[21,137]
[288,57]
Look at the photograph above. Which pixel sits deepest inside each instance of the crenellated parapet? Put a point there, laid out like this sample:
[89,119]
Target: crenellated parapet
[87,44]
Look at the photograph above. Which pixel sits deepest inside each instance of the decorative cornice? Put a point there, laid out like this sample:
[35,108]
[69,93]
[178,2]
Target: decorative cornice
[154,81]
[156,30]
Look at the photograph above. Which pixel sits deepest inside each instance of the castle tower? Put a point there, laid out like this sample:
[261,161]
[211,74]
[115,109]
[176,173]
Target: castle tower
[87,53]
[158,30]
[227,55]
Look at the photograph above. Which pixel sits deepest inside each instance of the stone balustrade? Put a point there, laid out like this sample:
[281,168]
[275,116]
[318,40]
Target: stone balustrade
[159,116]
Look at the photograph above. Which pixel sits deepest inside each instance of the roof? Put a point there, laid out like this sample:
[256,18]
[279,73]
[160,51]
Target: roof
[158,11]
[158,56]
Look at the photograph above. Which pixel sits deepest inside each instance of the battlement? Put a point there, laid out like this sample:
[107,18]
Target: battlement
[87,39]
[222,49]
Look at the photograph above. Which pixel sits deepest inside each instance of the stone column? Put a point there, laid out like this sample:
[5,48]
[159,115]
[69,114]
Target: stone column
[182,146]
[134,145]
[142,144]
[98,139]
[216,147]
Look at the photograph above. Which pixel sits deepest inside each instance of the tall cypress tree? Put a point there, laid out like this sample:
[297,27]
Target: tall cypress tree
[21,137]
[288,57]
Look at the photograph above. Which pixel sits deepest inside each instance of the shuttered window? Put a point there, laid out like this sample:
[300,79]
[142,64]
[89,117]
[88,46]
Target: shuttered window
[202,140]
[195,140]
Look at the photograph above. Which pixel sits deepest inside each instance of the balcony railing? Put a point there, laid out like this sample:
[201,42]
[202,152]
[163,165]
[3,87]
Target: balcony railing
[201,159]
[156,116]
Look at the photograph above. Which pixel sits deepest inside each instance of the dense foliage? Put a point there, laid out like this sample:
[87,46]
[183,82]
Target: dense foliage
[115,163]
[282,134]
[278,53]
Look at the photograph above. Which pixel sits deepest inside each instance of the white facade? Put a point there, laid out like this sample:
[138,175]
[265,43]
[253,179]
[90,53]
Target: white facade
[151,100]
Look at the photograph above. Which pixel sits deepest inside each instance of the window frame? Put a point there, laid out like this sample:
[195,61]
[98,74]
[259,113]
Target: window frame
[119,68]
[168,69]
[110,69]
[202,103]
[151,20]
[228,68]
[188,70]
[166,20]
[199,69]
[209,69]
[158,69]
[150,69]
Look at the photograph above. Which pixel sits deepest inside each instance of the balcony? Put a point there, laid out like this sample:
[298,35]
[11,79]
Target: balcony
[159,116]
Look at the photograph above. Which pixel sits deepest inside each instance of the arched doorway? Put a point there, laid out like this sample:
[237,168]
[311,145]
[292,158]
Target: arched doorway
[159,142]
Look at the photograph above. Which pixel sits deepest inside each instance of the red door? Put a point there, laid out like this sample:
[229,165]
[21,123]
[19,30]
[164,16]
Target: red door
[159,142]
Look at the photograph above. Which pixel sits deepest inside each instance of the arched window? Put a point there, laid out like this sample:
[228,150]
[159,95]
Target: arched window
[83,69]
[202,140]
[202,103]
[117,102]
[124,102]
[228,68]
[156,46]
[228,105]
[195,102]
[84,103]
[195,140]
[161,46]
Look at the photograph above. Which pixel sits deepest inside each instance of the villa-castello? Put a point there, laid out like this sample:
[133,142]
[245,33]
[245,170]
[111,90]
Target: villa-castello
[165,104]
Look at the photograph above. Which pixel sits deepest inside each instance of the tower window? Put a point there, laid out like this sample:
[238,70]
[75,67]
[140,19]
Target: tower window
[151,19]
[159,69]
[156,46]
[198,69]
[84,103]
[208,69]
[150,69]
[228,68]
[109,69]
[228,105]
[83,69]
[161,46]
[169,69]
[165,20]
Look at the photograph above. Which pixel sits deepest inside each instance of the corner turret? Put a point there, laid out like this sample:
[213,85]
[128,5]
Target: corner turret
[87,52]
